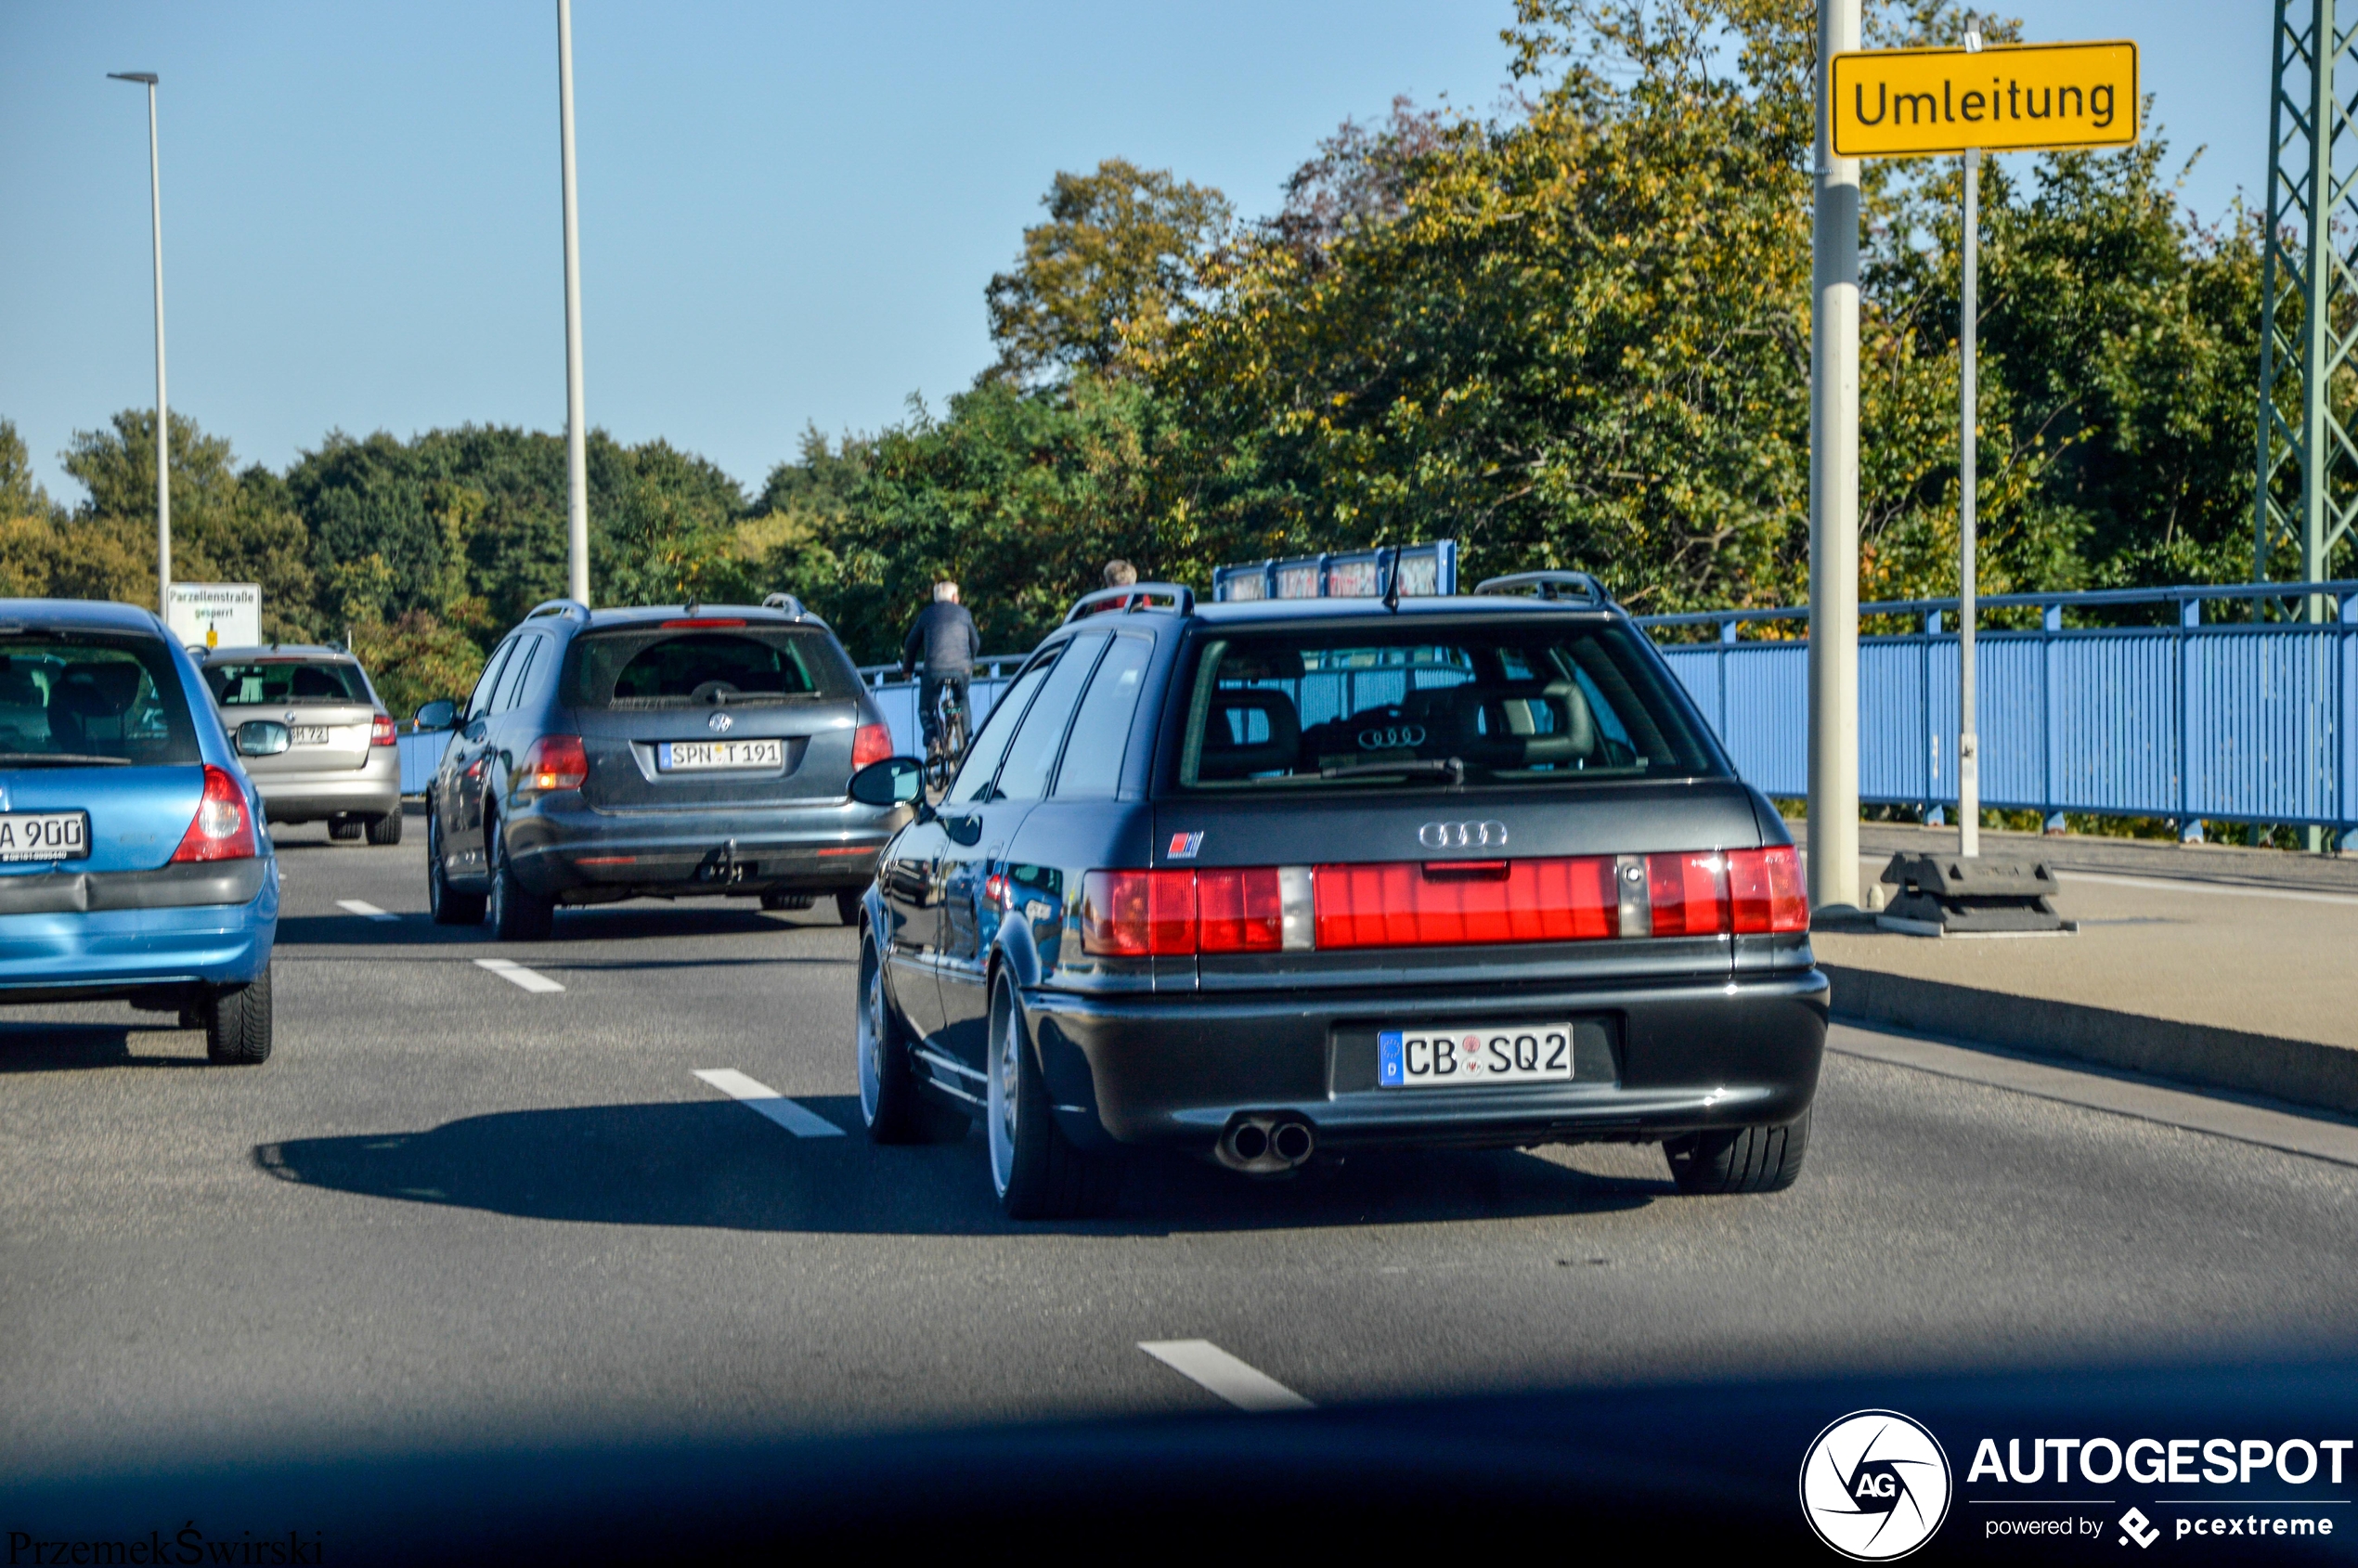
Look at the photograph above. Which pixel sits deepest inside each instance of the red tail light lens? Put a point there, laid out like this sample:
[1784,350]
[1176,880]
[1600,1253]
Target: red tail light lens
[872,743]
[1138,913]
[1689,894]
[1449,903]
[1238,910]
[382,733]
[223,829]
[1764,886]
[552,762]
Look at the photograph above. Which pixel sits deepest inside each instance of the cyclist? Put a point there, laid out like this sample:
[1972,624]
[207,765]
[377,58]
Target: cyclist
[941,646]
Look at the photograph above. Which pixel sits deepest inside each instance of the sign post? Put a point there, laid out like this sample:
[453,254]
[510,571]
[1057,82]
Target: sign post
[1916,103]
[214,614]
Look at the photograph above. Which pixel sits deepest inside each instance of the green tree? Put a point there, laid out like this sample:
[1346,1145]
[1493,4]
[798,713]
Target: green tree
[1101,281]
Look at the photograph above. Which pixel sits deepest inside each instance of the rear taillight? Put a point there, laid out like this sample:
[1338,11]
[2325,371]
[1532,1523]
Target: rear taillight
[223,829]
[1438,903]
[382,733]
[1765,887]
[872,743]
[552,762]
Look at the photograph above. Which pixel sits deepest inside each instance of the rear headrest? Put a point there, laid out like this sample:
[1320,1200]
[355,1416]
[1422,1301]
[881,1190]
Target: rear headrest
[312,681]
[97,690]
[18,689]
[1229,750]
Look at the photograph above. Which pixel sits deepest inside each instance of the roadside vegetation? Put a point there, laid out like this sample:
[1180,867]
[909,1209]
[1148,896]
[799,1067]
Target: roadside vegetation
[1575,333]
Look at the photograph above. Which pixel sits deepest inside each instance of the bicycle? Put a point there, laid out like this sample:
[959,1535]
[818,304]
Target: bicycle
[948,746]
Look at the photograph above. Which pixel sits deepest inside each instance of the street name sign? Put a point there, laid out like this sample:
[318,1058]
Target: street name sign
[2003,98]
[215,615]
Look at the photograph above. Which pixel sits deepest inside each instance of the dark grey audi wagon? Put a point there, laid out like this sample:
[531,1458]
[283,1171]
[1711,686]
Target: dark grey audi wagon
[703,750]
[1265,880]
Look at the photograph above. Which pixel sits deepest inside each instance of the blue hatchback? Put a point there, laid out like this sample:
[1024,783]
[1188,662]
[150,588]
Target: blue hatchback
[134,863]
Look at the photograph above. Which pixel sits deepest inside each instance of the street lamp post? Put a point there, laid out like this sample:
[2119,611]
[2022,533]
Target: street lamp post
[163,420]
[576,435]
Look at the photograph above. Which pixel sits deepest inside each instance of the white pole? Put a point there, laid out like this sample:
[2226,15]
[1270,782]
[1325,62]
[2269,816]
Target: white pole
[1833,497]
[1968,483]
[164,417]
[577,431]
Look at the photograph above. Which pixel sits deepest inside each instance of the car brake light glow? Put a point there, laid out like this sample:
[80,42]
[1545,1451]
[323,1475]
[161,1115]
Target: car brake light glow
[698,623]
[381,731]
[222,829]
[552,762]
[873,742]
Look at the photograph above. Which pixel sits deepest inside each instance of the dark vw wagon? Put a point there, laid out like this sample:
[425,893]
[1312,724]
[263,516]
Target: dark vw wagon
[703,750]
[1261,880]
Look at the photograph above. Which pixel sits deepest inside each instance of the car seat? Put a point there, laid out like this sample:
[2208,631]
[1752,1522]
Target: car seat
[1249,730]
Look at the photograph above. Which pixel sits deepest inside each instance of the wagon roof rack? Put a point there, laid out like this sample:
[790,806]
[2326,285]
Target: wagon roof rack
[559,607]
[785,601]
[1548,585]
[1132,598]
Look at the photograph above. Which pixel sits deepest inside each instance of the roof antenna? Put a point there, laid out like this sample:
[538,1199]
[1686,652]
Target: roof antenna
[1388,558]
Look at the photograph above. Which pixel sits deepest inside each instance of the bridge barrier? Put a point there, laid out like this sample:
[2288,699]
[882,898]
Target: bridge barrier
[2250,722]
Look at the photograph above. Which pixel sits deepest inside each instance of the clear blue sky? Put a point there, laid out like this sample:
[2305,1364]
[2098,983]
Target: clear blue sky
[788,210]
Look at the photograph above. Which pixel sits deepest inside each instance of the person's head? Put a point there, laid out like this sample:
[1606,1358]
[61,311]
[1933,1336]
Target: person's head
[945,593]
[1119,574]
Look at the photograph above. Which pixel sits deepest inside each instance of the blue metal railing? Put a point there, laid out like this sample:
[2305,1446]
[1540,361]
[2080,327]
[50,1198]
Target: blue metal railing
[2250,722]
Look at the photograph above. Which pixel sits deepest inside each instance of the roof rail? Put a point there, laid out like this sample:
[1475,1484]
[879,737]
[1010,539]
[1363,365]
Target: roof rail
[1133,597]
[785,601]
[1548,585]
[559,607]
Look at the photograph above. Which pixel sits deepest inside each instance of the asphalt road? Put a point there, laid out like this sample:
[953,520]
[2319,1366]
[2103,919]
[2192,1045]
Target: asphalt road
[451,1210]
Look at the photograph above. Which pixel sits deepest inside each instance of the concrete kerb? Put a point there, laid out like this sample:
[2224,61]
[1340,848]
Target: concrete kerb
[2296,1072]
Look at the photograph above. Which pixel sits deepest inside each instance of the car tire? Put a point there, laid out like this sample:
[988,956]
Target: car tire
[446,904]
[894,1107]
[343,830]
[237,1023]
[385,829]
[1739,1158]
[1035,1168]
[848,906]
[518,914]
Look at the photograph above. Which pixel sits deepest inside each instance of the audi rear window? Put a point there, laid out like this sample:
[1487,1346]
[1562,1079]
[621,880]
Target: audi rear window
[1515,704]
[647,667]
[72,698]
[270,683]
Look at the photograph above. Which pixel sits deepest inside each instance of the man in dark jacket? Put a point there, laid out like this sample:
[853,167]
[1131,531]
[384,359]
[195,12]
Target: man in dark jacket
[942,645]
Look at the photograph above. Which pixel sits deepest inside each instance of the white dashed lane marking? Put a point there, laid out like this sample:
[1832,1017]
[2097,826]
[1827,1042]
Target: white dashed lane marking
[1243,1385]
[517,975]
[756,1095]
[364,908]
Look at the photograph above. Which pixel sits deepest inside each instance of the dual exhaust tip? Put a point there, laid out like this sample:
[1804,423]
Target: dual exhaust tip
[1267,1144]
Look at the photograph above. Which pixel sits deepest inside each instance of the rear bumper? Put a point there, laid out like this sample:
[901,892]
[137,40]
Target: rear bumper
[563,850]
[137,932]
[1175,1070]
[371,789]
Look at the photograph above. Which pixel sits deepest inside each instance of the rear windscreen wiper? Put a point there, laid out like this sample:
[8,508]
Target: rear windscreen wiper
[1450,767]
[59,759]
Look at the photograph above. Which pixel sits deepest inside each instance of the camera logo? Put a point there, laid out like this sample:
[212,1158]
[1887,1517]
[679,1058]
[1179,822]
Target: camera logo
[2139,1528]
[1874,1485]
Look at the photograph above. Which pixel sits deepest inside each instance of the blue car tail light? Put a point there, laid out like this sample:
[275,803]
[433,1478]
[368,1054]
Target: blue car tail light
[223,827]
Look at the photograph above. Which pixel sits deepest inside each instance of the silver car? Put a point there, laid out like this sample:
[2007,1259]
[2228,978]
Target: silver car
[345,765]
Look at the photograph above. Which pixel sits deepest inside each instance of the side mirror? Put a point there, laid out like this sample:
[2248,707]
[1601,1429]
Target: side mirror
[262,737]
[896,780]
[436,715]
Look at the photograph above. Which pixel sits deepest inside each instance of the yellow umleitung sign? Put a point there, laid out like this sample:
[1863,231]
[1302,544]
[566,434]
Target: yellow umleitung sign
[2008,98]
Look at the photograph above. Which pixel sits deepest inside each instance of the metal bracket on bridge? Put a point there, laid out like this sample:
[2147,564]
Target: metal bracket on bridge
[1950,895]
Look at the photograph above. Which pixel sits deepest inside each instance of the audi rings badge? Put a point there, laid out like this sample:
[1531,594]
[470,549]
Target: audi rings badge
[1392,738]
[1463,836]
